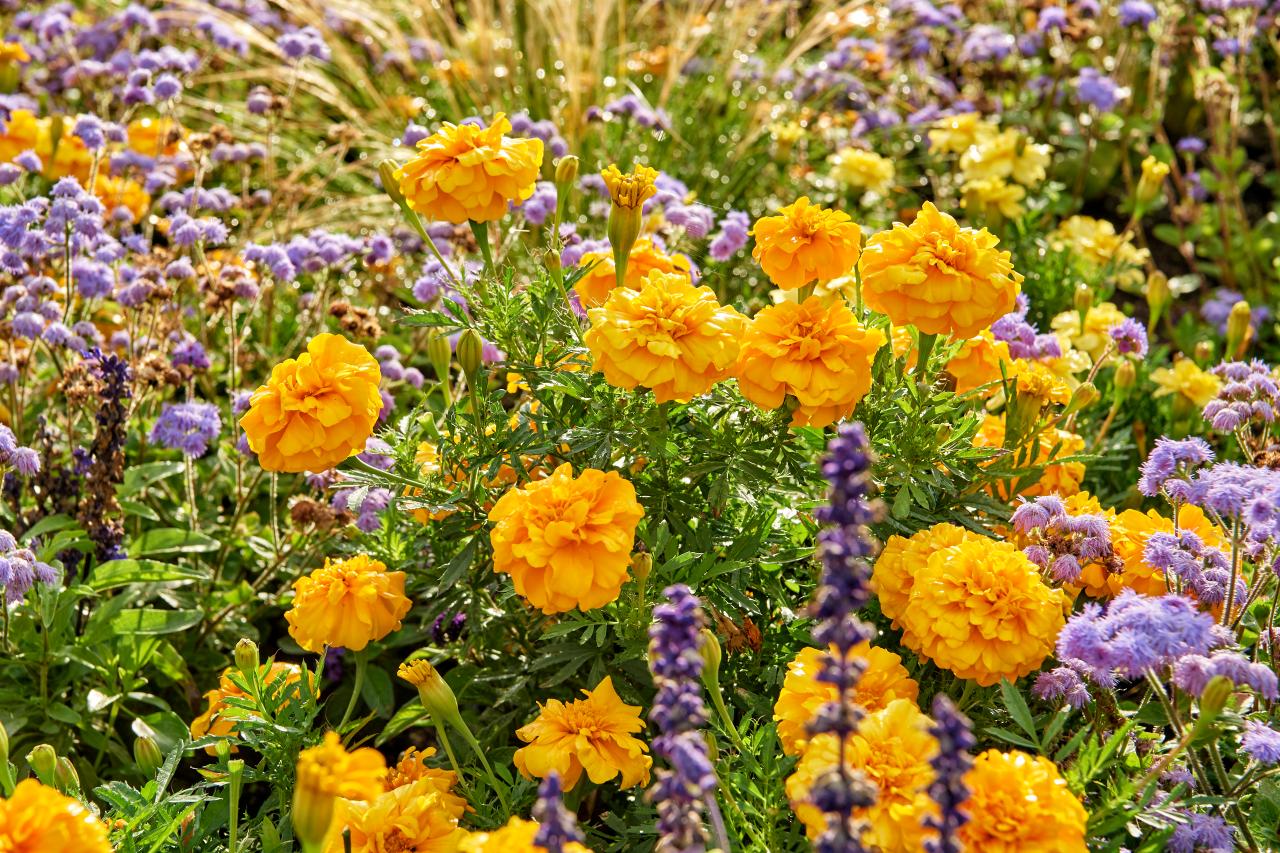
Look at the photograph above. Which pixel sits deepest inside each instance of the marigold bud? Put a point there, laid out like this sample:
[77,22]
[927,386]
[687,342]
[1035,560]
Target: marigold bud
[246,657]
[1153,174]
[1159,296]
[1083,397]
[439,354]
[44,763]
[1238,322]
[712,655]
[470,350]
[566,171]
[313,803]
[147,755]
[641,565]
[4,744]
[390,183]
[65,777]
[1212,701]
[436,695]
[1126,375]
[1083,298]
[1204,351]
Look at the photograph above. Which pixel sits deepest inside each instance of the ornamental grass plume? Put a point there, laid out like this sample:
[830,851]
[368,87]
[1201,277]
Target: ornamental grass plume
[815,352]
[1020,803]
[346,604]
[38,819]
[465,173]
[667,335]
[595,735]
[565,540]
[806,243]
[316,410]
[594,286]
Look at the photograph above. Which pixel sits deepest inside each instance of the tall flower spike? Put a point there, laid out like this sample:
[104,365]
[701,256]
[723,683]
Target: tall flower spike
[556,825]
[844,588]
[951,729]
[686,785]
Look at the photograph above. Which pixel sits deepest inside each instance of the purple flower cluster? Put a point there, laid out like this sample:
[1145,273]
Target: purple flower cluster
[1201,833]
[303,43]
[1130,337]
[681,790]
[1062,544]
[20,569]
[1248,395]
[1193,673]
[523,125]
[1261,742]
[24,460]
[190,427]
[1198,568]
[556,825]
[1023,338]
[633,108]
[1169,467]
[538,207]
[951,729]
[735,229]
[309,254]
[1098,90]
[1217,309]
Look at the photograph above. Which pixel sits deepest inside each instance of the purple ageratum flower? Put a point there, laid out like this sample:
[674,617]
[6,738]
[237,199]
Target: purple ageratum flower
[1097,89]
[951,730]
[188,427]
[1062,684]
[1023,338]
[303,43]
[1193,673]
[1191,145]
[1051,18]
[1060,543]
[539,206]
[1201,834]
[1261,742]
[1170,460]
[1137,13]
[1248,395]
[1130,337]
[735,229]
[986,43]
[20,570]
[556,824]
[29,160]
[1217,309]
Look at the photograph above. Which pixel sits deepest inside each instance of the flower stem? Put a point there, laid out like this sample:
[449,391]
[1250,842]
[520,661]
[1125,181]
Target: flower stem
[361,661]
[481,230]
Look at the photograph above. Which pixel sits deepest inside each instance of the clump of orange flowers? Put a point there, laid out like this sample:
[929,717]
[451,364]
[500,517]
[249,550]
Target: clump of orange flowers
[346,604]
[595,735]
[978,362]
[565,540]
[942,278]
[815,352]
[668,335]
[412,817]
[39,819]
[463,172]
[316,410]
[806,243]
[1020,803]
[517,836]
[600,278]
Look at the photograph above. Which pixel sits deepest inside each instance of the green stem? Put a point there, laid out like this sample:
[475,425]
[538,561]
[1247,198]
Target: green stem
[361,660]
[493,779]
[236,767]
[723,712]
[481,230]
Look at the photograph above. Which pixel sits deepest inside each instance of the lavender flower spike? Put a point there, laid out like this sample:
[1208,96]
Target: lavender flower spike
[556,826]
[951,729]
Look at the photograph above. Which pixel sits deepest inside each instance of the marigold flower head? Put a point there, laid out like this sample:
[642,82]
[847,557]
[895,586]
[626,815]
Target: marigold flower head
[317,409]
[815,352]
[893,575]
[1035,381]
[39,819]
[978,364]
[328,768]
[955,134]
[1052,444]
[668,335]
[862,169]
[346,604]
[413,817]
[1154,173]
[981,610]
[464,172]
[803,694]
[1130,531]
[1097,246]
[891,749]
[993,198]
[412,767]
[156,137]
[566,541]
[632,189]
[1006,155]
[1187,381]
[595,734]
[23,131]
[516,837]
[939,277]
[13,51]
[219,719]
[600,279]
[1019,803]
[805,243]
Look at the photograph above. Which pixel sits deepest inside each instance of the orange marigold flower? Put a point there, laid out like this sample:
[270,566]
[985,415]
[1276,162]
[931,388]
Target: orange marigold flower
[939,277]
[894,571]
[595,734]
[328,769]
[805,243]
[23,131]
[1036,382]
[566,541]
[815,352]
[410,818]
[464,172]
[516,837]
[981,610]
[13,51]
[977,364]
[803,694]
[668,335]
[156,137]
[1019,803]
[220,720]
[1130,531]
[1061,478]
[891,749]
[39,819]
[317,409]
[346,604]
[632,189]
[412,767]
[599,279]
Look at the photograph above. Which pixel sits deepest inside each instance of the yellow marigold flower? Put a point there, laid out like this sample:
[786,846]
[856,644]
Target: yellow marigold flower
[1061,478]
[409,818]
[464,172]
[412,767]
[891,749]
[862,169]
[981,610]
[1007,154]
[317,409]
[516,837]
[1187,380]
[1095,243]
[802,694]
[1130,531]
[632,189]
[217,721]
[1153,174]
[346,604]
[805,243]
[13,51]
[1095,337]
[1019,803]
[596,283]
[39,819]
[955,134]
[815,352]
[786,133]
[1035,381]
[23,132]
[595,734]
[72,158]
[566,541]
[894,572]
[669,336]
[116,192]
[993,198]
[325,773]
[977,364]
[156,137]
[939,277]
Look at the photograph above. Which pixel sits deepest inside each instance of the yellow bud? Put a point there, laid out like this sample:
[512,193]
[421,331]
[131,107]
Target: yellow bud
[1086,395]
[641,565]
[1083,298]
[1238,322]
[470,351]
[712,655]
[566,171]
[65,777]
[147,755]
[44,763]
[246,657]
[1126,375]
[1159,296]
[439,354]
[1204,351]
[436,695]
[1153,174]
[551,260]
[388,172]
[4,744]
[312,806]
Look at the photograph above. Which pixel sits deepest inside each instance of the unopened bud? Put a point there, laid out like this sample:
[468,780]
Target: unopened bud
[246,657]
[65,777]
[4,744]
[387,172]
[147,755]
[439,354]
[1159,296]
[1212,701]
[313,803]
[566,171]
[712,655]
[551,260]
[1083,298]
[1153,174]
[44,762]
[641,565]
[1238,322]
[1086,395]
[1204,351]
[470,351]
[1126,375]
[434,692]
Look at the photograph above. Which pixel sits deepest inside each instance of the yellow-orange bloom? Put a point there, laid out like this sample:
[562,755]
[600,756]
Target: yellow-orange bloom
[978,362]
[954,134]
[13,51]
[805,243]
[1130,531]
[668,335]
[1019,803]
[1186,380]
[516,837]
[1052,444]
[595,734]
[328,769]
[218,718]
[317,409]
[1095,337]
[566,541]
[156,137]
[862,169]
[891,749]
[802,694]
[464,172]
[412,767]
[981,610]
[894,572]
[1004,155]
[600,278]
[1036,382]
[993,198]
[1095,244]
[815,352]
[346,604]
[632,189]
[939,277]
[410,818]
[39,819]
[23,132]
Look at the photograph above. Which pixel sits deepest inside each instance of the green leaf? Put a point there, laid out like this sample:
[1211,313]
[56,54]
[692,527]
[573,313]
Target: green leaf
[377,691]
[149,621]
[117,573]
[1018,709]
[171,540]
[138,477]
[49,524]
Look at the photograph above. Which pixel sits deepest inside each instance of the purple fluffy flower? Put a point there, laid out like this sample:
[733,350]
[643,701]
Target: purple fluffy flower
[1130,337]
[189,427]
[1261,742]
